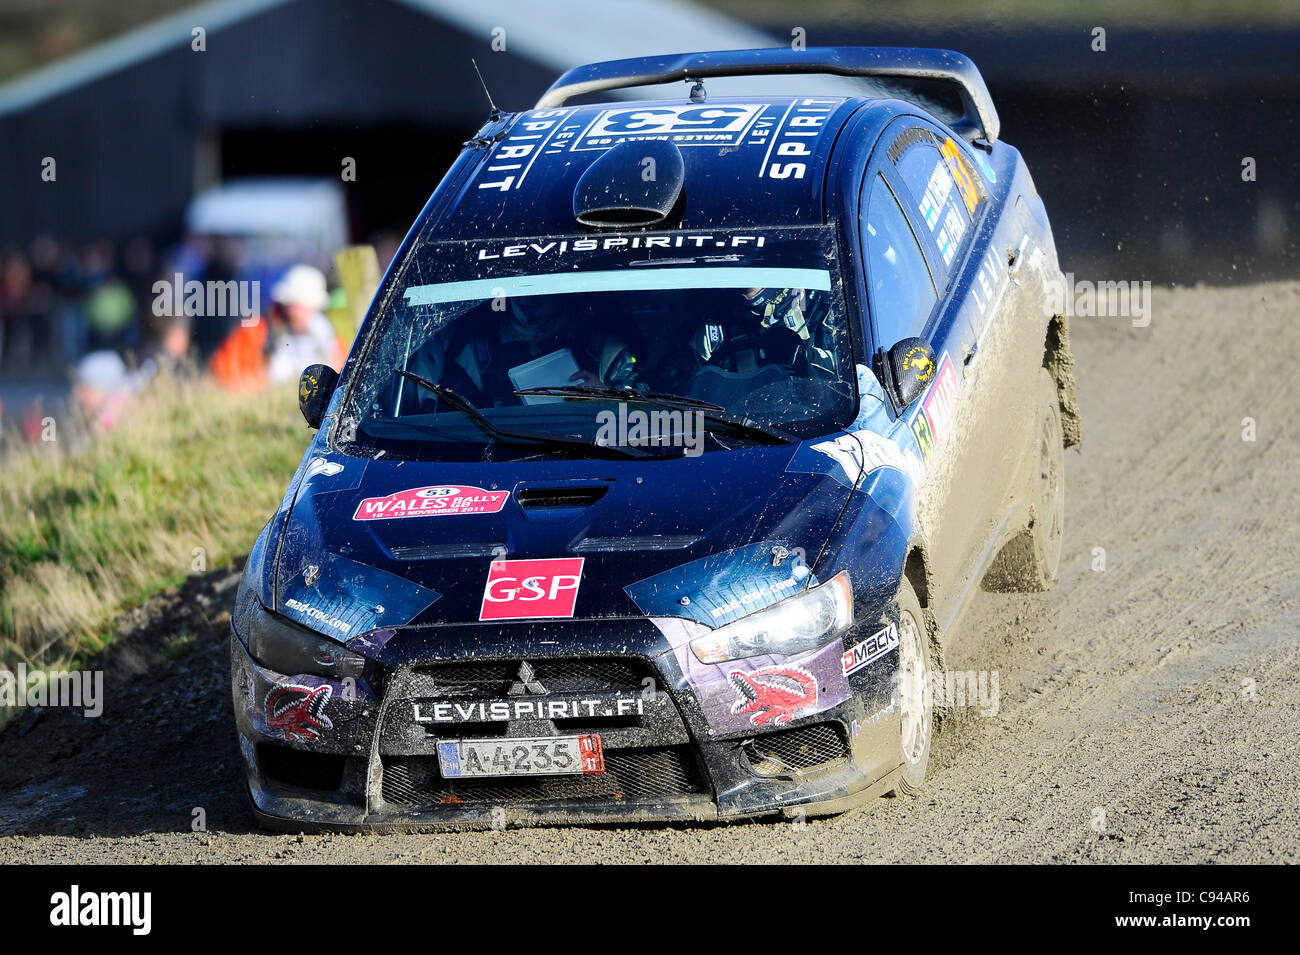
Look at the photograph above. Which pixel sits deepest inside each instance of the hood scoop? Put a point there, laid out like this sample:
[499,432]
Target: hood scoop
[636,183]
[621,545]
[448,551]
[542,498]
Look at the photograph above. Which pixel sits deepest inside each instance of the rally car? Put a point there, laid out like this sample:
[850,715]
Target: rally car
[675,440]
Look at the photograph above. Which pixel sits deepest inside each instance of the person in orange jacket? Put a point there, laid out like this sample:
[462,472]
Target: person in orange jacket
[239,362]
[298,335]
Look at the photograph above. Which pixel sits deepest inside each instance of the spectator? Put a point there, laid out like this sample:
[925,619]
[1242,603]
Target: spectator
[240,362]
[165,350]
[15,309]
[58,264]
[301,335]
[43,300]
[100,386]
[110,306]
[140,266]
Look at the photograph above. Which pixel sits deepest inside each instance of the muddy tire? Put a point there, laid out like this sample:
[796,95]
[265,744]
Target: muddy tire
[916,712]
[1029,561]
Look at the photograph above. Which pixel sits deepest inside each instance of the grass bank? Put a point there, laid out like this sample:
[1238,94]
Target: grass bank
[183,484]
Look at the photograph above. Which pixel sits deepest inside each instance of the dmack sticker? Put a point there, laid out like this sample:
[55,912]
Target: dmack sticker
[773,694]
[439,501]
[298,712]
[523,589]
[870,650]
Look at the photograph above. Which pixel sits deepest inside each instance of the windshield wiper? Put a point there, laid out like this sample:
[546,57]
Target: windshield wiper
[715,414]
[596,392]
[452,398]
[459,403]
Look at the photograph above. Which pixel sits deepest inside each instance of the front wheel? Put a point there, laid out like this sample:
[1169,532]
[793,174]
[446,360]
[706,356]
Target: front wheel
[916,712]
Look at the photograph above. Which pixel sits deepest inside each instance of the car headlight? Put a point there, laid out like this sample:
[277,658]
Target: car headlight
[797,623]
[281,645]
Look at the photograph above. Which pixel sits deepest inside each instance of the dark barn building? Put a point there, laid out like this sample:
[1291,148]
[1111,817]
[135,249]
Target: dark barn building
[1138,149]
[137,125]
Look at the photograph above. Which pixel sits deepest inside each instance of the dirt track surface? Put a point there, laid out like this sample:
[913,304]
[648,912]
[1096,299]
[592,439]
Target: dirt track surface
[1123,689]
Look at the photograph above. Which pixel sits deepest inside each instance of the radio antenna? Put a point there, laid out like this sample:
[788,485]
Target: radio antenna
[493,106]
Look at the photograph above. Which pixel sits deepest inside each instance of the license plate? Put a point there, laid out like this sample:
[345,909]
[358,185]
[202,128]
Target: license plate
[549,756]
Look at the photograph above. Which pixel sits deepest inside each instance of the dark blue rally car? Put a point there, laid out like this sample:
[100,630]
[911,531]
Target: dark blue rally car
[677,437]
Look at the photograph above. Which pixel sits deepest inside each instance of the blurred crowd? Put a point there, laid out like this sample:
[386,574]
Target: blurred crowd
[99,315]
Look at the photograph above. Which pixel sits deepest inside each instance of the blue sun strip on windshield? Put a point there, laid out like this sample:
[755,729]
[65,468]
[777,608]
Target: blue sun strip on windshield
[618,280]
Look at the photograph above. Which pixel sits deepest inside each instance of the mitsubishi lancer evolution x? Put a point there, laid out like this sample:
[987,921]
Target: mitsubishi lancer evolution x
[677,437]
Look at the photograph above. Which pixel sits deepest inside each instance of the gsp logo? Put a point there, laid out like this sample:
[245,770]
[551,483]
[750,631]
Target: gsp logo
[520,589]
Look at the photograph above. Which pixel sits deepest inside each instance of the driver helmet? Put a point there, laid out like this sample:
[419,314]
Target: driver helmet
[536,319]
[772,306]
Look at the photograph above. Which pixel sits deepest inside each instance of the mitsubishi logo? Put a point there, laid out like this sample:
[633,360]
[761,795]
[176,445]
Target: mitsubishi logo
[527,682]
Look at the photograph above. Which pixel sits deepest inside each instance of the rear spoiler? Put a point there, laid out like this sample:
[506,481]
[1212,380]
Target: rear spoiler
[980,118]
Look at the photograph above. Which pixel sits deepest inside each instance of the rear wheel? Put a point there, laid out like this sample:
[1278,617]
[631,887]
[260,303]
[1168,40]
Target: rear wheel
[1029,561]
[916,714]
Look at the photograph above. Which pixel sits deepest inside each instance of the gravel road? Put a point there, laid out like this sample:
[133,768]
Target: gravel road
[1149,711]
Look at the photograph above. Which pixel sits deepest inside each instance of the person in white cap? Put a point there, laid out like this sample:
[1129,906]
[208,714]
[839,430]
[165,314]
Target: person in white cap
[301,334]
[100,387]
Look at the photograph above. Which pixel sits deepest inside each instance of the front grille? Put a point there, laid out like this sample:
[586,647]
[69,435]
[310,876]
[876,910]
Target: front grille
[800,748]
[293,767]
[630,774]
[494,678]
[540,696]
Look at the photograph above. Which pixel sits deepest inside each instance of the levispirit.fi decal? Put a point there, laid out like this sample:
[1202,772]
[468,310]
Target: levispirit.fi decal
[525,589]
[438,501]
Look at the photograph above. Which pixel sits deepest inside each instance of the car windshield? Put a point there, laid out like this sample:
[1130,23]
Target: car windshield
[565,345]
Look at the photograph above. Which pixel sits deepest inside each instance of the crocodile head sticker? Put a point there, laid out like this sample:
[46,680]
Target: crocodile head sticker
[298,711]
[773,694]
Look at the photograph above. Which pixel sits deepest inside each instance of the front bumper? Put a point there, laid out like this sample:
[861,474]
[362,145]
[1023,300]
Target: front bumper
[367,761]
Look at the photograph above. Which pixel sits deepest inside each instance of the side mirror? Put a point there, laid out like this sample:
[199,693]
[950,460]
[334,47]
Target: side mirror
[314,390]
[912,366]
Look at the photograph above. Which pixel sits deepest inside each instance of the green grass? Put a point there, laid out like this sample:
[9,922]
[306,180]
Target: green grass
[182,485]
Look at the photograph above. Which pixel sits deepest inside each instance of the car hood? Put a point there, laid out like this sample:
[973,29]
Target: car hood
[372,544]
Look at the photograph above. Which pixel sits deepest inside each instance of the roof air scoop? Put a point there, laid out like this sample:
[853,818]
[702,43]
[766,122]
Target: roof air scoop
[635,183]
